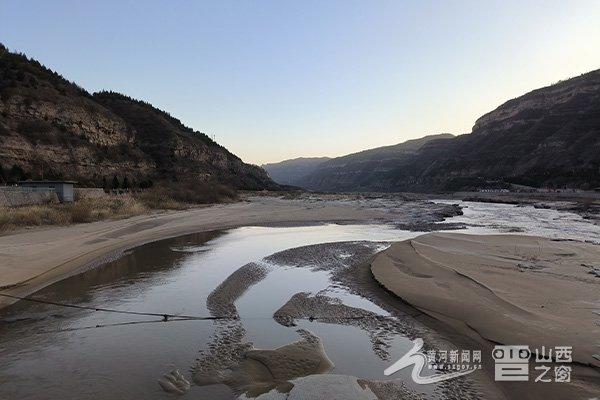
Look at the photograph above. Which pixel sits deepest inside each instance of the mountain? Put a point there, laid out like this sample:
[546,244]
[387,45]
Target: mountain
[367,170]
[52,128]
[549,137]
[290,172]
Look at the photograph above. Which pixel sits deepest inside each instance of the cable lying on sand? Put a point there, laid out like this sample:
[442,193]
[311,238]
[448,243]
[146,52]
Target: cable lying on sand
[164,316]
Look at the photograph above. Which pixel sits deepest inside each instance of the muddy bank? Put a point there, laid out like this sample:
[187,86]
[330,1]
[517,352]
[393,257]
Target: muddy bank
[381,329]
[251,372]
[31,260]
[220,302]
[234,361]
[515,290]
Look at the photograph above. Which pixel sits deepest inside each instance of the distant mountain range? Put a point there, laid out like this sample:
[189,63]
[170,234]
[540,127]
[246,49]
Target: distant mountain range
[549,137]
[290,172]
[364,170]
[51,128]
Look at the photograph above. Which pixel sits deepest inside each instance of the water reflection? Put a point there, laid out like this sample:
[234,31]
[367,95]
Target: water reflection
[50,352]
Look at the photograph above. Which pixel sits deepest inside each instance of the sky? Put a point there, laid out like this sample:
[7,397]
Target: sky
[273,80]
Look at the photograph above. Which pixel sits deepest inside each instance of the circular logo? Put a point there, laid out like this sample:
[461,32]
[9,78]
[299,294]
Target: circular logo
[498,354]
[524,353]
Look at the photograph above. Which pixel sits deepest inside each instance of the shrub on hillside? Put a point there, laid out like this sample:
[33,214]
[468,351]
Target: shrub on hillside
[181,194]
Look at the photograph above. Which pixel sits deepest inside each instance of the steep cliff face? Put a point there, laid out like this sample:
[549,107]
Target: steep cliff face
[51,128]
[576,96]
[548,137]
[178,150]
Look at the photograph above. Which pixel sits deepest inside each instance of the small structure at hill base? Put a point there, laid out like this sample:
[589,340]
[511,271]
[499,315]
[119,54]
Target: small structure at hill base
[63,189]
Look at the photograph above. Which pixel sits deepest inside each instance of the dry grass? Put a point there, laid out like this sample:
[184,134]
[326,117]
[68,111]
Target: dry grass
[87,210]
[11,218]
[90,210]
[160,197]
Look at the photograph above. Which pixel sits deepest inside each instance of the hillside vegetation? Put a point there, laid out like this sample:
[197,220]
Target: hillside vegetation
[52,128]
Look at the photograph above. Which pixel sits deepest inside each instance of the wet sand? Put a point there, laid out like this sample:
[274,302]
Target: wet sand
[253,371]
[465,289]
[506,289]
[298,370]
[381,329]
[33,259]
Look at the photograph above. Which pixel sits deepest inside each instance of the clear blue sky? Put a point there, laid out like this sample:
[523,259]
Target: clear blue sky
[282,79]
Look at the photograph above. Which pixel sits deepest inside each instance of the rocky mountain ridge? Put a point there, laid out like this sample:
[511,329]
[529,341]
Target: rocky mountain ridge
[51,128]
[549,137]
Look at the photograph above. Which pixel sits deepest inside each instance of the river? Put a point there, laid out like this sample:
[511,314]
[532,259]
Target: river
[50,352]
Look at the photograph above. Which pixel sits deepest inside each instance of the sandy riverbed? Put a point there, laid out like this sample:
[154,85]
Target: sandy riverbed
[230,357]
[506,289]
[33,259]
[487,289]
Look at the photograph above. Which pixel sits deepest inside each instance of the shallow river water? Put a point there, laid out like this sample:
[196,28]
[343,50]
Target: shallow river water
[49,352]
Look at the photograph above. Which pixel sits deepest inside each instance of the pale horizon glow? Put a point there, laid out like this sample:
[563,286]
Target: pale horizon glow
[276,80]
